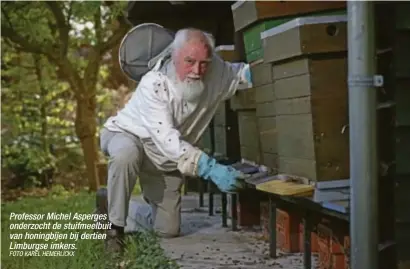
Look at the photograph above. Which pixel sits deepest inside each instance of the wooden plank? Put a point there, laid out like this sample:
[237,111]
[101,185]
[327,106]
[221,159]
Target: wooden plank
[265,93]
[268,134]
[295,136]
[342,183]
[286,188]
[331,195]
[251,154]
[339,206]
[293,106]
[292,87]
[306,39]
[248,129]
[244,99]
[227,53]
[220,140]
[245,13]
[220,115]
[296,166]
[291,68]
[265,109]
[270,160]
[204,142]
[261,74]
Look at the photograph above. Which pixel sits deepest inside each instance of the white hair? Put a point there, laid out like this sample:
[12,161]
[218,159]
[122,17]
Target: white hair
[185,35]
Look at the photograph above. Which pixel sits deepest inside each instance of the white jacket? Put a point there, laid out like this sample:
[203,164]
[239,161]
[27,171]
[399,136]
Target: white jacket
[169,126]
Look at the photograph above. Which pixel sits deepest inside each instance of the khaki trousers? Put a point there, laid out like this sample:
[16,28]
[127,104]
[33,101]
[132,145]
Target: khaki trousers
[127,161]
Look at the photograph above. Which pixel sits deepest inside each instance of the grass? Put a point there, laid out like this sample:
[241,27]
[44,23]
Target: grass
[143,249]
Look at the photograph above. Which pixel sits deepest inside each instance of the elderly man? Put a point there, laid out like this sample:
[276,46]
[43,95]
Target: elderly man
[153,136]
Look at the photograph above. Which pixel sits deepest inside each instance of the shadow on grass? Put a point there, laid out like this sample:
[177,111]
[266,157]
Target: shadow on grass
[143,249]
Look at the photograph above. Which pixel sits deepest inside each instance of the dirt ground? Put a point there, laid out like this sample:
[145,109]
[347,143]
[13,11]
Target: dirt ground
[206,244]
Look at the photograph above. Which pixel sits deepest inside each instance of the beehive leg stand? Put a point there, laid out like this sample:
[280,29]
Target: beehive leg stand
[211,199]
[272,228]
[307,240]
[234,218]
[201,192]
[224,199]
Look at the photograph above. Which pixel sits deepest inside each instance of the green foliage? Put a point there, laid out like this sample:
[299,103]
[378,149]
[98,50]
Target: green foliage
[143,249]
[38,103]
[35,115]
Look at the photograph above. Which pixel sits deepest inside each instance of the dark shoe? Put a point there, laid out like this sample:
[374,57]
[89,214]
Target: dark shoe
[114,243]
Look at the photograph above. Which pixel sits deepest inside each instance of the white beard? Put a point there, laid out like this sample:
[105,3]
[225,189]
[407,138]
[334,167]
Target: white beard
[190,89]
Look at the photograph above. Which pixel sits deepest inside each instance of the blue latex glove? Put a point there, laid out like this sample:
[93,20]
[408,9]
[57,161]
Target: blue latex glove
[224,177]
[248,76]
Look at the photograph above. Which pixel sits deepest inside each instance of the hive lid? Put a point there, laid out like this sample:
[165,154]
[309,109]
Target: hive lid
[302,21]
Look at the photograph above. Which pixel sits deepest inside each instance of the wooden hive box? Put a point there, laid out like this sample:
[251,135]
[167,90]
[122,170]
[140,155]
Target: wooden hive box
[243,103]
[205,142]
[249,136]
[310,97]
[305,36]
[246,13]
[254,17]
[225,121]
[262,78]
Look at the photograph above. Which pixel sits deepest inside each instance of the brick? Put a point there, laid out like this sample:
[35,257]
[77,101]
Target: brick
[287,231]
[314,245]
[338,261]
[332,252]
[264,220]
[287,225]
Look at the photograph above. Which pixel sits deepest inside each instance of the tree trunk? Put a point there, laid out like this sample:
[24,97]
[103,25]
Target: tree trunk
[86,127]
[43,105]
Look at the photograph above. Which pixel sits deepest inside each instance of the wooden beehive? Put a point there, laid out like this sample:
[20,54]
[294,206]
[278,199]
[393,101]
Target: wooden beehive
[248,136]
[310,107]
[205,142]
[225,128]
[251,18]
[305,36]
[243,103]
[246,13]
[262,78]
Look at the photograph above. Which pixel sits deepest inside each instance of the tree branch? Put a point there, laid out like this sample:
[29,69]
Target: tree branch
[69,12]
[63,27]
[23,44]
[97,26]
[114,38]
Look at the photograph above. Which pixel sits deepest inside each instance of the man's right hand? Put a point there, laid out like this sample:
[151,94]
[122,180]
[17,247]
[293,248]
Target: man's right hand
[226,178]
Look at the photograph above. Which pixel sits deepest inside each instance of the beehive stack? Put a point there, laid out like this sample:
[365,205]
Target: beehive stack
[225,123]
[309,66]
[300,91]
[205,142]
[244,105]
[299,99]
